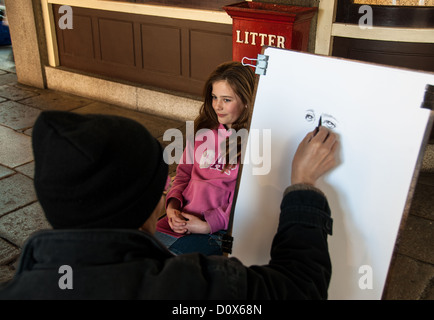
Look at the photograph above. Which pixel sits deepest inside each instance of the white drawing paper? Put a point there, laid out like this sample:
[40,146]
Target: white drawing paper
[375,110]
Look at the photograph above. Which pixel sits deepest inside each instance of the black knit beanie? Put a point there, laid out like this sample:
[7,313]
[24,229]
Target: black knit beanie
[96,171]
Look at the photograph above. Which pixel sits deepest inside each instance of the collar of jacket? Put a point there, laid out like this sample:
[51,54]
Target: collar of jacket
[52,248]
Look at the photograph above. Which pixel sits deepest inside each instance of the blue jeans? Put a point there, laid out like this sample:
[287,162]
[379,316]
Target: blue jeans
[207,244]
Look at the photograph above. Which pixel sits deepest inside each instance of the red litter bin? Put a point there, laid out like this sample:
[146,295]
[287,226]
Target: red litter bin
[262,24]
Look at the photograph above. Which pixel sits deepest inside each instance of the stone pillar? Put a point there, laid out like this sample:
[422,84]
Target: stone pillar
[28,41]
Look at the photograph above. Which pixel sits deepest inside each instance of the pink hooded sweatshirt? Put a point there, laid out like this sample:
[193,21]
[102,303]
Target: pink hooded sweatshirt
[200,185]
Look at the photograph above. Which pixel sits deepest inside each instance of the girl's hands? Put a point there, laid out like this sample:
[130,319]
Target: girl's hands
[195,224]
[174,216]
[183,222]
[176,221]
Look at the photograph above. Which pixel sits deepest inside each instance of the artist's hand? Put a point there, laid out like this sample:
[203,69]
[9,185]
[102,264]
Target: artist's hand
[175,218]
[196,224]
[315,155]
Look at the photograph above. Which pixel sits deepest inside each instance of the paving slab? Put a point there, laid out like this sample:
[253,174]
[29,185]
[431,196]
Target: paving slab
[428,159]
[417,239]
[156,125]
[17,116]
[28,132]
[17,226]
[15,93]
[16,191]
[27,169]
[428,293]
[26,87]
[16,148]
[8,78]
[6,273]
[8,252]
[4,172]
[426,178]
[411,280]
[422,204]
[7,62]
[51,100]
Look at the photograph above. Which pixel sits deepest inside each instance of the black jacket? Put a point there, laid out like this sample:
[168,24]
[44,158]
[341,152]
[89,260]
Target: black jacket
[129,264]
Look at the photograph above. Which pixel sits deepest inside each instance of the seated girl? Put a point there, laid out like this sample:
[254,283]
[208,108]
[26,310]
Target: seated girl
[199,202]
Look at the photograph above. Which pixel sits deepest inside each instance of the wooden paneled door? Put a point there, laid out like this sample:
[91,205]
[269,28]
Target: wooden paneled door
[166,53]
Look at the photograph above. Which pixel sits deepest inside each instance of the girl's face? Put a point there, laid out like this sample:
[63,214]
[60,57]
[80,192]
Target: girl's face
[227,105]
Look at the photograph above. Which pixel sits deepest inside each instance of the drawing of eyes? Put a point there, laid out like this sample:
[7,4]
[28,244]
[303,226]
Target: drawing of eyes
[310,116]
[329,124]
[327,120]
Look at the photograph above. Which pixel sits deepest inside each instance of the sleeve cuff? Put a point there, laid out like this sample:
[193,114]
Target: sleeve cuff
[305,204]
[302,186]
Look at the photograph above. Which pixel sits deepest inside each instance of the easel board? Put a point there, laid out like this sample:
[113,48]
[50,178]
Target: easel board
[376,112]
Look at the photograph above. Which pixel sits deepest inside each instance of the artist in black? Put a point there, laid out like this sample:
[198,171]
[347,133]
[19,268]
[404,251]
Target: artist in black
[100,180]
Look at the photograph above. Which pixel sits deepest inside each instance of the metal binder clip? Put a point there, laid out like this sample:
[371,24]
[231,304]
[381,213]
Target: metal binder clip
[428,99]
[226,245]
[261,64]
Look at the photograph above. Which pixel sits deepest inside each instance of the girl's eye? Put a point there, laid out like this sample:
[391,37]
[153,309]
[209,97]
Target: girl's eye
[227,100]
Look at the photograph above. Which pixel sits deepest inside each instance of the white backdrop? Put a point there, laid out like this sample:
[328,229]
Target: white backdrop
[375,111]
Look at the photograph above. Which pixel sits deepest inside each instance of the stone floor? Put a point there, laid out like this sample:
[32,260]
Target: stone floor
[412,272]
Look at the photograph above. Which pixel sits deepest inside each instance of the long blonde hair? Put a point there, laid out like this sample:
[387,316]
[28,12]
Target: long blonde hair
[242,81]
